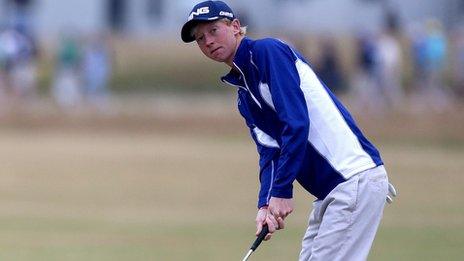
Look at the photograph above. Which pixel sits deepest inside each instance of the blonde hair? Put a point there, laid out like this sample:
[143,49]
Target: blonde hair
[243,29]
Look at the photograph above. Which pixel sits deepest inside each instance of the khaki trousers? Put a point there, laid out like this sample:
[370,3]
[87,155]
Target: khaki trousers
[343,225]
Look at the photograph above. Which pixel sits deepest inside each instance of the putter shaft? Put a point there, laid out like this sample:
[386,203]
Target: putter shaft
[247,255]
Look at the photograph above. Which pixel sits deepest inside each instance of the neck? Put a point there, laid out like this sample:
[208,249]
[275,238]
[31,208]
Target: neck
[230,62]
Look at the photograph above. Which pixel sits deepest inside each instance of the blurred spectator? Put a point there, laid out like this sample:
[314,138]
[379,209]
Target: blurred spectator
[388,70]
[366,53]
[458,61]
[328,67]
[429,54]
[364,84]
[8,50]
[66,86]
[117,14]
[18,52]
[96,71]
[378,81]
[435,52]
[418,53]
[24,69]
[21,14]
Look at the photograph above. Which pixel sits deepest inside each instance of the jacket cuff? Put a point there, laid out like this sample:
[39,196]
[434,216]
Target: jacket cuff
[262,203]
[282,193]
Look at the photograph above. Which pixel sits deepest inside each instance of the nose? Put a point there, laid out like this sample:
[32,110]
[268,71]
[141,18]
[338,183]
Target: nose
[209,40]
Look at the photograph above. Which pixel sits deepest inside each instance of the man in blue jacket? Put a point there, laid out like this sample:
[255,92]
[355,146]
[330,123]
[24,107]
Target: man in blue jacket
[302,133]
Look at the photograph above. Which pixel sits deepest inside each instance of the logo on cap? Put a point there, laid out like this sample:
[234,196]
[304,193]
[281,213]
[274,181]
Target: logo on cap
[200,11]
[228,14]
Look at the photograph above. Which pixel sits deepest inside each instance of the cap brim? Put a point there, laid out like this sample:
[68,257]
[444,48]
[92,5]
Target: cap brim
[186,32]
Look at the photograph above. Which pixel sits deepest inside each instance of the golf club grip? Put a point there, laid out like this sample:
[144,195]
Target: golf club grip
[260,238]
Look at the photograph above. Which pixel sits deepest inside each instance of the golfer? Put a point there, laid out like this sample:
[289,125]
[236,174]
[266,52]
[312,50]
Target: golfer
[303,133]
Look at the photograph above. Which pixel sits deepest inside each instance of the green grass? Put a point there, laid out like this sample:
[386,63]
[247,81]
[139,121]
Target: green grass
[189,194]
[422,243]
[51,239]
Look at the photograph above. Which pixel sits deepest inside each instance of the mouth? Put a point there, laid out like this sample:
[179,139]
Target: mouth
[215,50]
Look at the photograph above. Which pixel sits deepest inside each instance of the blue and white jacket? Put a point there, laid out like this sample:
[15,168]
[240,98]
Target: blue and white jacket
[302,131]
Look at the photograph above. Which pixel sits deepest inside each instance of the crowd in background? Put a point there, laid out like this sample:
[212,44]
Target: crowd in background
[81,70]
[421,68]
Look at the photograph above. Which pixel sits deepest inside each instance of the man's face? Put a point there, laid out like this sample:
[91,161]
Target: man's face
[218,40]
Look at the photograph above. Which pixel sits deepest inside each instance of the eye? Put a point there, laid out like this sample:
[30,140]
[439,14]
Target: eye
[213,31]
[200,38]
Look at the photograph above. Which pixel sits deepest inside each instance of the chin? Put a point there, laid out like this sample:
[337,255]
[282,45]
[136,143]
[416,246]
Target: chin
[218,59]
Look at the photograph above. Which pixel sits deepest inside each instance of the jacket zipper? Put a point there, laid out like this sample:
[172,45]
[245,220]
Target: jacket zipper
[246,85]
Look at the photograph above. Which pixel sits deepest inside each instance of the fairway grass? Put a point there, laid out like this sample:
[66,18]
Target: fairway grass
[108,195]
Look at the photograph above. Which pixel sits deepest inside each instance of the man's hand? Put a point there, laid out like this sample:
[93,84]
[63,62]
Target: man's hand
[273,215]
[280,207]
[265,217]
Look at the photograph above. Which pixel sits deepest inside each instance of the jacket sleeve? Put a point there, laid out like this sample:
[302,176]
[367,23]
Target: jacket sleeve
[276,64]
[268,152]
[268,156]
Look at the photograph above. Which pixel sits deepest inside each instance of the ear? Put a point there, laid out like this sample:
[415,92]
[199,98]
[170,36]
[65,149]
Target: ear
[235,26]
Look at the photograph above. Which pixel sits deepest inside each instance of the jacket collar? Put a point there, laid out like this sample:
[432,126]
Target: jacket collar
[242,56]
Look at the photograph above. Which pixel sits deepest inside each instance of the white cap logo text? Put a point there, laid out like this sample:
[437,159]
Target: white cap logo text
[224,13]
[202,10]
